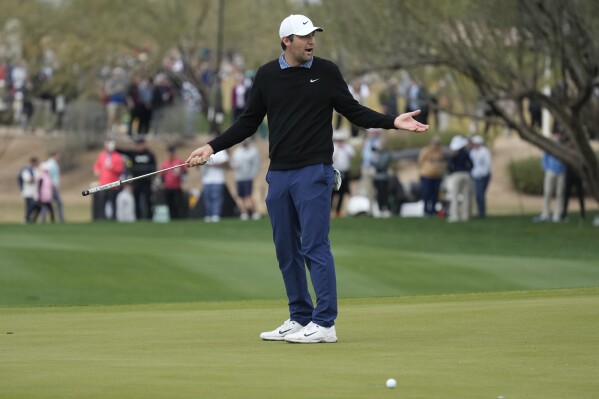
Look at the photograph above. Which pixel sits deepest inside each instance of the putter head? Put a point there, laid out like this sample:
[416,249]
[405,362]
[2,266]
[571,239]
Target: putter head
[338,180]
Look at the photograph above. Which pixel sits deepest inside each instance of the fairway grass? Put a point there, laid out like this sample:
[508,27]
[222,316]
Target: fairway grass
[529,344]
[141,263]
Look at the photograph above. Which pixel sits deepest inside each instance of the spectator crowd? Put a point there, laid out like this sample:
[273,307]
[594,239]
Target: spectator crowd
[452,179]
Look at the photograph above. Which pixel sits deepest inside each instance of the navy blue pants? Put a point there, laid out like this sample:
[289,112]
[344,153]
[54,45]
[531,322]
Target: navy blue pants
[430,194]
[213,199]
[480,190]
[299,207]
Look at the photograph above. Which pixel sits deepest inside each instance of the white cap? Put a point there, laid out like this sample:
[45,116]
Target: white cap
[458,142]
[477,139]
[296,24]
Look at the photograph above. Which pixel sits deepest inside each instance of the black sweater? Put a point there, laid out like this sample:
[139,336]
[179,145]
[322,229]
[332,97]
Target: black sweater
[299,104]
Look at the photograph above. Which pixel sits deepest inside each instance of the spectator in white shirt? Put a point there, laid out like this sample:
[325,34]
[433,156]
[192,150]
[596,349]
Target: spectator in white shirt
[481,172]
[366,187]
[213,180]
[54,171]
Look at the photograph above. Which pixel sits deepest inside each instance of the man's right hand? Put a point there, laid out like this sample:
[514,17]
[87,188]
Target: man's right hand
[200,156]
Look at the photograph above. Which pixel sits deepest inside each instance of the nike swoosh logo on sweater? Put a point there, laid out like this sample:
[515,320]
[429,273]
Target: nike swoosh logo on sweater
[314,80]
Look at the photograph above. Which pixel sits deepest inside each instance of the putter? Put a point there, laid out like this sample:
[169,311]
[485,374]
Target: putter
[119,183]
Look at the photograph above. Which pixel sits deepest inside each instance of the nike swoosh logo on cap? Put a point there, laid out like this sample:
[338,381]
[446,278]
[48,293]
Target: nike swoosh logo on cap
[314,80]
[304,23]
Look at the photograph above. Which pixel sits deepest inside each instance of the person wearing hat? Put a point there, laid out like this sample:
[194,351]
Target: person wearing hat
[459,182]
[481,172]
[141,161]
[108,167]
[298,93]
[366,185]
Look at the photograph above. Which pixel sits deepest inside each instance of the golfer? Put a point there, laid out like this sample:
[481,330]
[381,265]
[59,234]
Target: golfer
[298,92]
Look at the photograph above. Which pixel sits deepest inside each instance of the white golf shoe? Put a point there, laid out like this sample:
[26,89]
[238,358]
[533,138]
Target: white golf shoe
[278,334]
[313,334]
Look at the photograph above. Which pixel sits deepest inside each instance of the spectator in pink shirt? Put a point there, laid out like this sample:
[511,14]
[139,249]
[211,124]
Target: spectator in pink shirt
[109,167]
[43,196]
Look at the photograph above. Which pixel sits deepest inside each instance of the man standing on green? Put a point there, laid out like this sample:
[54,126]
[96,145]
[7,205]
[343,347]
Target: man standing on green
[298,92]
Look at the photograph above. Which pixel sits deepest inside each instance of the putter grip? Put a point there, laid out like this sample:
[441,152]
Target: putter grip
[101,188]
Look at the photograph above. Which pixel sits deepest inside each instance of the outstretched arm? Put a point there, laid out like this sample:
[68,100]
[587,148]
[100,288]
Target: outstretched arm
[407,122]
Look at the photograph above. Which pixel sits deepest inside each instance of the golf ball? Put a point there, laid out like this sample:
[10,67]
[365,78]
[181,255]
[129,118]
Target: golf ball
[391,383]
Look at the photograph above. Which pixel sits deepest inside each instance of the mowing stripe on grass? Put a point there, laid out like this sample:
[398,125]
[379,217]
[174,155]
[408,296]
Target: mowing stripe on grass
[111,263]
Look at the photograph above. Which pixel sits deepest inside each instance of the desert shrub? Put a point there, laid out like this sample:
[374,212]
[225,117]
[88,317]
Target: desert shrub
[526,175]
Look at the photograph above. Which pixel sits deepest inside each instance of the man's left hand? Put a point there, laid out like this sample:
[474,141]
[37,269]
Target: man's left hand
[407,122]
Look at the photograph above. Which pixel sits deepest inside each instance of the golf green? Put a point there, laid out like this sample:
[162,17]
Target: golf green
[534,344]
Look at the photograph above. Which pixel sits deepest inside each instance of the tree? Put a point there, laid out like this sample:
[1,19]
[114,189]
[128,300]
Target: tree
[87,36]
[509,50]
